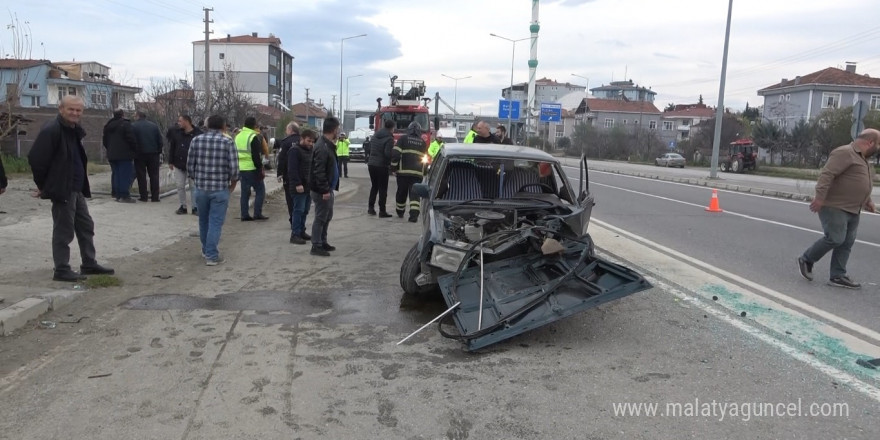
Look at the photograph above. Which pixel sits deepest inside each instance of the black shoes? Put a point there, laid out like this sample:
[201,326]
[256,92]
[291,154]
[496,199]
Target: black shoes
[126,200]
[144,199]
[195,211]
[385,215]
[400,214]
[845,282]
[319,251]
[182,210]
[305,236]
[413,219]
[68,276]
[328,247]
[247,219]
[371,211]
[805,268]
[96,270]
[261,217]
[297,239]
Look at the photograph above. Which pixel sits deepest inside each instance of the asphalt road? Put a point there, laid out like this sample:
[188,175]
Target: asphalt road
[276,343]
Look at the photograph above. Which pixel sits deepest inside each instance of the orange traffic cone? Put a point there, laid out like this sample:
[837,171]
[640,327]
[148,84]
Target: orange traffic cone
[713,204]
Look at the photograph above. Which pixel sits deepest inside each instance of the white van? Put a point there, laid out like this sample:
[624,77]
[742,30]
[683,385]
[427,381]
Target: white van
[448,135]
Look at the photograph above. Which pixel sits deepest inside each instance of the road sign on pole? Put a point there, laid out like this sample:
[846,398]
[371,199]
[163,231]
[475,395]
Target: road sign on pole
[506,110]
[551,112]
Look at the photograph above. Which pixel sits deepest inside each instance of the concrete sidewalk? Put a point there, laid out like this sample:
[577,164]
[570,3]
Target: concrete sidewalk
[121,230]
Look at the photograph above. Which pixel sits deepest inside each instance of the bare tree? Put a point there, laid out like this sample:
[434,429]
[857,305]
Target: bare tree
[227,98]
[18,52]
[163,100]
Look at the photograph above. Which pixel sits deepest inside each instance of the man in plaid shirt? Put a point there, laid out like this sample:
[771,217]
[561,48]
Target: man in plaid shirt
[213,165]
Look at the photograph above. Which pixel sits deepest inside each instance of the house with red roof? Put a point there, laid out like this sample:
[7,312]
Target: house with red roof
[807,96]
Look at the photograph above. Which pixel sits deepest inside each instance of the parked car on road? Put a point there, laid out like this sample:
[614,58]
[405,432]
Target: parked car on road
[356,149]
[504,239]
[670,160]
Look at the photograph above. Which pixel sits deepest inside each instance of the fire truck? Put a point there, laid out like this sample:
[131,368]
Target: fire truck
[407,105]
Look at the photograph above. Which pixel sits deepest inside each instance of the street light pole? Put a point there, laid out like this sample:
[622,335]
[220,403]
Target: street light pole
[455,93]
[510,92]
[346,90]
[341,51]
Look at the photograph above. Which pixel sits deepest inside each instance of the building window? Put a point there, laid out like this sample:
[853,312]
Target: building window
[273,80]
[830,100]
[668,125]
[34,101]
[221,75]
[781,98]
[99,98]
[33,86]
[652,125]
[273,60]
[64,91]
[609,122]
[875,102]
[222,55]
[788,96]
[560,131]
[624,122]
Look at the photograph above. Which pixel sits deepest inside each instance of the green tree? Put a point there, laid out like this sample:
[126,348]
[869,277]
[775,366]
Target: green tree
[731,129]
[767,135]
[800,140]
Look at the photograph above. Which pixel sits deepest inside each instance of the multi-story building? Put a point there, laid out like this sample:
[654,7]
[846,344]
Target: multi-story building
[808,96]
[546,91]
[624,90]
[611,113]
[257,66]
[679,123]
[42,83]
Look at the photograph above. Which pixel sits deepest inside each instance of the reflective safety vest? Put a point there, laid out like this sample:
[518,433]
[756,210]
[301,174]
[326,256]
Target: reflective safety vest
[243,146]
[469,139]
[434,148]
[342,147]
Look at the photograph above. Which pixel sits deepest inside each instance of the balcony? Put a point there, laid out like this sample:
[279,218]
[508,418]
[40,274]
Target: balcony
[683,128]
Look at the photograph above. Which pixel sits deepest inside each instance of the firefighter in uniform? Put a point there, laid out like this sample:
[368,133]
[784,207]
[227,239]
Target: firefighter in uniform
[406,163]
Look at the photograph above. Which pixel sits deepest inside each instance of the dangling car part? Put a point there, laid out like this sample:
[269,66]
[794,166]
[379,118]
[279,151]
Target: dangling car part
[505,238]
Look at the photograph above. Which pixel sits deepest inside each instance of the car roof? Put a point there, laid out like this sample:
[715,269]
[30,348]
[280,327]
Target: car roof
[498,150]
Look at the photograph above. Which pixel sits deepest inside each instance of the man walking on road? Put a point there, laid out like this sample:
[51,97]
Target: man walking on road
[179,139]
[324,180]
[379,166]
[58,161]
[249,143]
[842,191]
[146,163]
[121,146]
[212,163]
[406,163]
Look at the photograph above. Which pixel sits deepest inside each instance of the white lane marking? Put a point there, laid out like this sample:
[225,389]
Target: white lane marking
[830,317]
[772,222]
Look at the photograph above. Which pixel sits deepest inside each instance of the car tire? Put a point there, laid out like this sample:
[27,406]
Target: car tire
[725,167]
[737,166]
[409,270]
[656,162]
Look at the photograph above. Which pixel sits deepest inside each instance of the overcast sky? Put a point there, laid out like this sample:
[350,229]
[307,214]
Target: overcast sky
[672,46]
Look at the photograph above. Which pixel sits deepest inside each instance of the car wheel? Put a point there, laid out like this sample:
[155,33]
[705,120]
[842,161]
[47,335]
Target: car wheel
[409,270]
[737,166]
[725,167]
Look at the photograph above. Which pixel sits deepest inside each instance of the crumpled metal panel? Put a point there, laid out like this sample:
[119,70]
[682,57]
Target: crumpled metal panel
[530,291]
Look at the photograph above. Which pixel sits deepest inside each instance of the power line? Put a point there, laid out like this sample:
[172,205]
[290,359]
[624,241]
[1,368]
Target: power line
[147,12]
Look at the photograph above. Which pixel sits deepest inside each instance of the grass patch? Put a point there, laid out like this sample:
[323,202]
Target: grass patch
[790,173]
[15,165]
[100,281]
[94,168]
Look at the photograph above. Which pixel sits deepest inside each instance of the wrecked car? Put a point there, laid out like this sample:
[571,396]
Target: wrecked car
[504,240]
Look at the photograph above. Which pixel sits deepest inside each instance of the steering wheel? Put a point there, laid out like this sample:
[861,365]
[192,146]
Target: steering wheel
[546,189]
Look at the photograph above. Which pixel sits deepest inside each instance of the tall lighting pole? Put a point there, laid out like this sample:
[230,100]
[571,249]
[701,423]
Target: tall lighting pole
[346,89]
[341,51]
[510,93]
[719,110]
[455,93]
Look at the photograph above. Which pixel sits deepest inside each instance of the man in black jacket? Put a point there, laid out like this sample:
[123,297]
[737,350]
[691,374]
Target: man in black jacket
[299,170]
[146,162]
[58,161]
[323,181]
[179,139]
[121,146]
[407,164]
[292,139]
[379,166]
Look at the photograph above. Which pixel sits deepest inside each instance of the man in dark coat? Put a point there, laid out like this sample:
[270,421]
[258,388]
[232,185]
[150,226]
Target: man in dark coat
[121,146]
[299,171]
[58,161]
[146,162]
[291,140]
[179,139]
[379,166]
[323,181]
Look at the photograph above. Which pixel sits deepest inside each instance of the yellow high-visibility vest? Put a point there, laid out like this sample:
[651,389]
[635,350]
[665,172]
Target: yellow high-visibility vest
[243,145]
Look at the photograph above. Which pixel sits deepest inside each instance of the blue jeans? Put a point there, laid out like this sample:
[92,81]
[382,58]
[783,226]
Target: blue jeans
[299,212]
[840,233]
[121,177]
[212,207]
[250,179]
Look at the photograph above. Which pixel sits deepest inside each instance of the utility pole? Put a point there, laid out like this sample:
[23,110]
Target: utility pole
[308,106]
[208,32]
[333,105]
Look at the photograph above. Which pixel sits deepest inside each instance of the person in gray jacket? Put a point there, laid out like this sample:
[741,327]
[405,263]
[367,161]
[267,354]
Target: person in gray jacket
[379,166]
[146,162]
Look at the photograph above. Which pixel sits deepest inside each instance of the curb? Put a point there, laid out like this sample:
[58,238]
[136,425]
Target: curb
[710,184]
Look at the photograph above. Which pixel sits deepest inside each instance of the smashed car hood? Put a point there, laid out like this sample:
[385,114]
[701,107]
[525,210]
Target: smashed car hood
[529,291]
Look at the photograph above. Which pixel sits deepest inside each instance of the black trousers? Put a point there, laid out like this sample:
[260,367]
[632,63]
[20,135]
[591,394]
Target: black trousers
[147,165]
[342,166]
[72,219]
[323,215]
[404,191]
[379,181]
[288,197]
